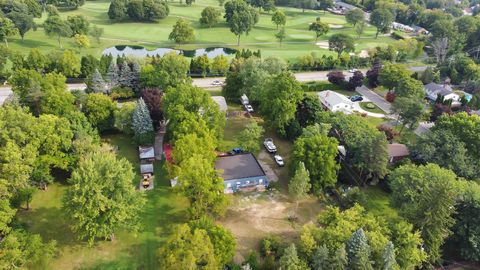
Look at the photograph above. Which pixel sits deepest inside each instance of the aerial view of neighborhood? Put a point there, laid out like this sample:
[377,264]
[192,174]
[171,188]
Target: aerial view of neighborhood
[240,134]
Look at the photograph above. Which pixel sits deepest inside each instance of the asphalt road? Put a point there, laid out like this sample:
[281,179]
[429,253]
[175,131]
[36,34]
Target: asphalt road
[206,83]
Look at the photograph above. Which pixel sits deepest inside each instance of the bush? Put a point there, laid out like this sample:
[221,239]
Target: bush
[336,77]
[370,105]
[390,97]
[121,93]
[352,196]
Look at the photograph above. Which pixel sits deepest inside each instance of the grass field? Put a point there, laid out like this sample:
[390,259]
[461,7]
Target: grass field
[299,40]
[130,250]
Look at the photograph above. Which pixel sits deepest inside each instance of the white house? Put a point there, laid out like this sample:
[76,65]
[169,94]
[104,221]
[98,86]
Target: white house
[335,102]
[432,90]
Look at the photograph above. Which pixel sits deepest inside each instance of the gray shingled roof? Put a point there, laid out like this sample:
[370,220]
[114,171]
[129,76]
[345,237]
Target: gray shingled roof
[239,166]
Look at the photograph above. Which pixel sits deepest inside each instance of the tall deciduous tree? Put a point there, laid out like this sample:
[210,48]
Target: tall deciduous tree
[188,250]
[7,29]
[102,198]
[23,22]
[123,117]
[341,43]
[99,110]
[210,16]
[318,152]
[382,19]
[410,111]
[320,28]
[355,16]
[431,210]
[249,138]
[55,26]
[240,17]
[142,124]
[96,32]
[280,35]
[200,183]
[279,18]
[280,99]
[299,185]
[182,32]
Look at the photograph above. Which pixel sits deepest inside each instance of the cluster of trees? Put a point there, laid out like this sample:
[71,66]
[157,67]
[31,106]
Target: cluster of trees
[313,62]
[202,65]
[138,10]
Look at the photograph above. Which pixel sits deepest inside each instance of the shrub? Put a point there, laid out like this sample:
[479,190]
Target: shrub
[121,93]
[336,77]
[390,96]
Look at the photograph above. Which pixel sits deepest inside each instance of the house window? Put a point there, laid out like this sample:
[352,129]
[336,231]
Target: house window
[260,181]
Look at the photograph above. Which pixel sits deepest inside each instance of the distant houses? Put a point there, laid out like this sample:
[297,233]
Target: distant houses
[433,90]
[335,102]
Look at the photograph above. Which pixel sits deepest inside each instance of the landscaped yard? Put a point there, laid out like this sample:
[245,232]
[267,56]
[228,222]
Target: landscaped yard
[298,41]
[130,250]
[371,107]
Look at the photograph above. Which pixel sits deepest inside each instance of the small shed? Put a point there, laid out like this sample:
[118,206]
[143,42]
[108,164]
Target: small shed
[397,152]
[241,172]
[146,168]
[146,153]
[222,103]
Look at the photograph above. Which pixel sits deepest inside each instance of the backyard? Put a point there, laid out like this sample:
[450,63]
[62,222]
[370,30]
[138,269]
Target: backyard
[299,41]
[130,250]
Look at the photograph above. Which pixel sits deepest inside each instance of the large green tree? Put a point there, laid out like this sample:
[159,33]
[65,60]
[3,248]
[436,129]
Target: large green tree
[299,185]
[410,111]
[182,32]
[240,17]
[249,138]
[7,29]
[142,124]
[341,43]
[279,18]
[355,16]
[99,110]
[382,19]
[23,22]
[54,26]
[320,28]
[102,198]
[210,16]
[358,251]
[280,99]
[430,210]
[318,152]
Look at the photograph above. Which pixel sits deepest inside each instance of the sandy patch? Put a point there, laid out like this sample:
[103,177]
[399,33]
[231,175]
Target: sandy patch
[335,26]
[322,44]
[363,54]
[251,217]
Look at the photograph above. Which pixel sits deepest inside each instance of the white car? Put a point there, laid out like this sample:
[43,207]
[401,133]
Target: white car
[269,145]
[249,108]
[217,82]
[353,70]
[279,160]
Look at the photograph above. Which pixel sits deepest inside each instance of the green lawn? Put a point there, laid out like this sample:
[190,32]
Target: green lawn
[375,109]
[130,250]
[378,203]
[299,40]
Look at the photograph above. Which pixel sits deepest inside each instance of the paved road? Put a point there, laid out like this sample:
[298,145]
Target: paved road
[375,98]
[5,91]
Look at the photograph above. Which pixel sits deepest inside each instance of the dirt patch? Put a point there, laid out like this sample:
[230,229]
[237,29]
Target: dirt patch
[322,44]
[254,216]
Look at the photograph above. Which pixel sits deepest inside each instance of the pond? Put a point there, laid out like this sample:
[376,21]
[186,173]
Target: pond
[139,51]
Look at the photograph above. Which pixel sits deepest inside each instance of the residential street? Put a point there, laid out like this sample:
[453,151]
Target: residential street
[5,91]
[375,98]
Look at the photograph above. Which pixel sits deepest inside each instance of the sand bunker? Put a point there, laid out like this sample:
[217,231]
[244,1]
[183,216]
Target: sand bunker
[322,44]
[335,26]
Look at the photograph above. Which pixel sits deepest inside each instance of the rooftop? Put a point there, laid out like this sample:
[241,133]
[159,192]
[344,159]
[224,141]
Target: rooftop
[222,103]
[442,89]
[333,98]
[239,166]
[146,168]
[397,150]
[146,152]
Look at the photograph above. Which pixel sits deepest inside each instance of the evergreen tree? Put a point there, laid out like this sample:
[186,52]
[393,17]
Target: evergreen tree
[113,74]
[300,184]
[290,260]
[358,251]
[320,259]
[96,83]
[339,261]
[142,124]
[126,76]
[388,257]
[136,70]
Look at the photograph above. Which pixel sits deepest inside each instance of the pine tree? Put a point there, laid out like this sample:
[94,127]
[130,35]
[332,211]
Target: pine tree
[112,74]
[126,76]
[339,261]
[358,251]
[300,184]
[320,259]
[388,257]
[97,84]
[142,123]
[290,260]
[136,69]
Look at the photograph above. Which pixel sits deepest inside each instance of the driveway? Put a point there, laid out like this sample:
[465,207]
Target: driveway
[375,98]
[423,127]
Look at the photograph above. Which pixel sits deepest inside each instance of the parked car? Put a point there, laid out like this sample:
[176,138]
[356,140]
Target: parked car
[217,82]
[279,160]
[353,70]
[356,98]
[244,100]
[236,151]
[249,108]
[269,145]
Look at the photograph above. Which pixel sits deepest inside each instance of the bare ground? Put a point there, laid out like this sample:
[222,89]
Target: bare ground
[254,216]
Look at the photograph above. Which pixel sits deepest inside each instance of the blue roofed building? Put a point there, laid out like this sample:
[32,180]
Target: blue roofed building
[241,172]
